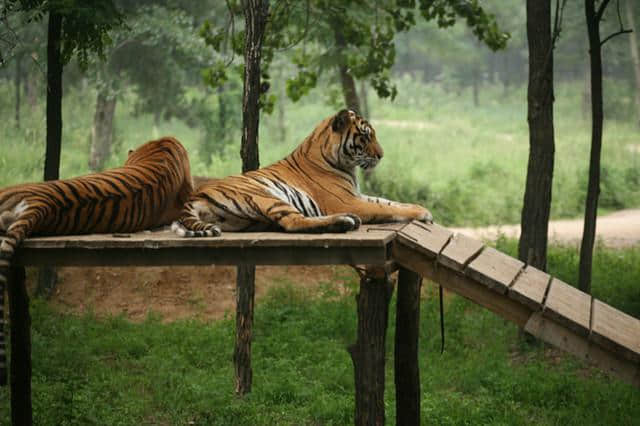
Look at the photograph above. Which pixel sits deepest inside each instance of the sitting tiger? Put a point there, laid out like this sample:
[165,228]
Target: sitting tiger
[148,191]
[314,189]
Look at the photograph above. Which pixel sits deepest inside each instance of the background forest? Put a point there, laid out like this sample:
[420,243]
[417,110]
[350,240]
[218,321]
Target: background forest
[455,136]
[449,104]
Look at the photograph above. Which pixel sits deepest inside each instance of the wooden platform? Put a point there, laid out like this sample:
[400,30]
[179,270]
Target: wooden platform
[544,306]
[368,245]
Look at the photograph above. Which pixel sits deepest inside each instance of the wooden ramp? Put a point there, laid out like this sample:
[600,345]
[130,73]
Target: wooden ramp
[546,307]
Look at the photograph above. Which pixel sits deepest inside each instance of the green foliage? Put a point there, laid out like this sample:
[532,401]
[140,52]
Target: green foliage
[86,24]
[88,370]
[335,35]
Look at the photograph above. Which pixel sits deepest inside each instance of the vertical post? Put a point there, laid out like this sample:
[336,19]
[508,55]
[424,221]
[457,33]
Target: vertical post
[368,353]
[407,372]
[20,348]
[245,291]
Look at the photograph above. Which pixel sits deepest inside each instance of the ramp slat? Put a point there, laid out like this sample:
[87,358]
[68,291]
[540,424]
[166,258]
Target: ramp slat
[530,287]
[459,251]
[568,306]
[427,238]
[616,330]
[494,269]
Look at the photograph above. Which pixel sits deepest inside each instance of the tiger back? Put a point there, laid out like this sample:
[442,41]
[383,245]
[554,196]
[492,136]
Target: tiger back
[314,189]
[148,191]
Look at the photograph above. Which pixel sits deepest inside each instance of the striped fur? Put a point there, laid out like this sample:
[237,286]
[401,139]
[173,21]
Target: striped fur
[314,189]
[148,191]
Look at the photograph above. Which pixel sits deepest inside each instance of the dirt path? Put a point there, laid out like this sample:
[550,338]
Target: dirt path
[619,229]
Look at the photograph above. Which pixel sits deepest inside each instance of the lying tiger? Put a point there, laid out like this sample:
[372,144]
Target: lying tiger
[148,191]
[314,189]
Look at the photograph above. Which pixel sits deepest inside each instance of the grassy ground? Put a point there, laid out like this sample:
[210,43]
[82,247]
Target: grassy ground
[466,163]
[111,371]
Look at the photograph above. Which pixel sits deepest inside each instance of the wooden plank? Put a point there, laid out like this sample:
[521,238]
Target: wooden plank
[463,285]
[568,306]
[460,250]
[364,237]
[494,269]
[563,338]
[530,287]
[427,238]
[203,255]
[615,331]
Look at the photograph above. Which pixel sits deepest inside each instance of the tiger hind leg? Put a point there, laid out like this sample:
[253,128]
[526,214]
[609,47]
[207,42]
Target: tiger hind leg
[191,225]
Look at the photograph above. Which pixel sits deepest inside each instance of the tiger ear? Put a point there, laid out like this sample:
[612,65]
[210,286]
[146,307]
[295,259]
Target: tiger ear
[341,120]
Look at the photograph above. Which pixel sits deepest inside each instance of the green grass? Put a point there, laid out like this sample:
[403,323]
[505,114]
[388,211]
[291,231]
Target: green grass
[466,163]
[111,371]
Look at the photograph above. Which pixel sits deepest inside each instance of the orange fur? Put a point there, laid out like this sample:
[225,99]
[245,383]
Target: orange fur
[314,189]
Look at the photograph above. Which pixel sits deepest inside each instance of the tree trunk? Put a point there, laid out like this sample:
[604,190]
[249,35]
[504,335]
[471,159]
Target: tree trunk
[635,56]
[368,353]
[593,189]
[366,111]
[532,248]
[255,14]
[54,98]
[346,79]
[102,131]
[47,274]
[18,87]
[475,81]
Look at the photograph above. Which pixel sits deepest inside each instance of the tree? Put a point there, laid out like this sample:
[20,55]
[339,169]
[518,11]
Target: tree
[594,17]
[635,55]
[323,35]
[255,13]
[161,37]
[532,247]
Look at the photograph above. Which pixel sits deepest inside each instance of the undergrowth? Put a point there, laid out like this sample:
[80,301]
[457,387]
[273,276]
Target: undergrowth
[93,371]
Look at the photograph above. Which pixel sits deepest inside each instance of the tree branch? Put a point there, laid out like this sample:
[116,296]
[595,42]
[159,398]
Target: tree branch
[610,36]
[601,10]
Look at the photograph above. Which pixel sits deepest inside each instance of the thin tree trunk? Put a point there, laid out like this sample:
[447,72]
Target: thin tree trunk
[255,13]
[366,111]
[102,131]
[346,79]
[46,274]
[18,87]
[54,98]
[475,81]
[532,247]
[635,55]
[597,117]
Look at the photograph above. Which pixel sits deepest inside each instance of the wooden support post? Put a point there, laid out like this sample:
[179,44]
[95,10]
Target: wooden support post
[368,353]
[20,348]
[245,294]
[407,372]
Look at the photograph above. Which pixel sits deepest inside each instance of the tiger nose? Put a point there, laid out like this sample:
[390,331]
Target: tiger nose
[379,153]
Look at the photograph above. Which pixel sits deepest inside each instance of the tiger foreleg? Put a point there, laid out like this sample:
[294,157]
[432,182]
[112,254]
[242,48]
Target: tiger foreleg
[380,210]
[291,220]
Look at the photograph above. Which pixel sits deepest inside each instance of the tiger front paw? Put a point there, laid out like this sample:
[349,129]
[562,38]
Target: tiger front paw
[345,222]
[425,216]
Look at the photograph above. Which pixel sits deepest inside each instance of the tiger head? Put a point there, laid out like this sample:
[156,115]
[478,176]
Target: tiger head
[356,141]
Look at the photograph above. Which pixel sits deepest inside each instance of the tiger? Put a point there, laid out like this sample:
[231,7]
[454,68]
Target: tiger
[312,190]
[149,191]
